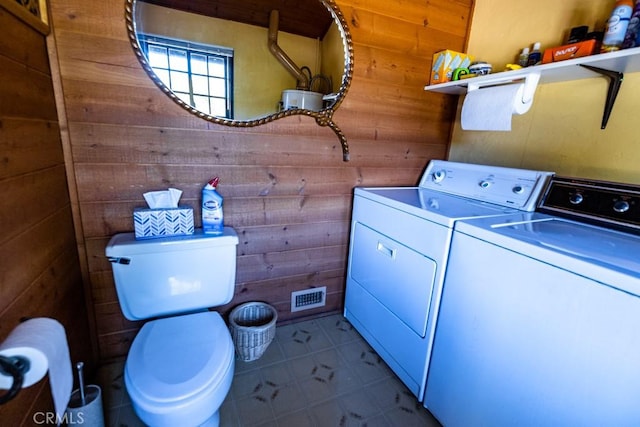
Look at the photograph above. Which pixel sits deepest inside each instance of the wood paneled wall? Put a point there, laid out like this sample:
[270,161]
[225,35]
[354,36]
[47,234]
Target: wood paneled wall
[287,191]
[39,266]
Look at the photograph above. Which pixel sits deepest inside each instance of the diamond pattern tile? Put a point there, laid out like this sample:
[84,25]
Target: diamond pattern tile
[315,373]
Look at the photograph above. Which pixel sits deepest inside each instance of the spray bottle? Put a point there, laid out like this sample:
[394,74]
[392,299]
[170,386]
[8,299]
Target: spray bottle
[212,217]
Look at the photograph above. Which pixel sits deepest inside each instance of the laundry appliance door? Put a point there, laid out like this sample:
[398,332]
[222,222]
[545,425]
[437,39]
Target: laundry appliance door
[395,268]
[530,335]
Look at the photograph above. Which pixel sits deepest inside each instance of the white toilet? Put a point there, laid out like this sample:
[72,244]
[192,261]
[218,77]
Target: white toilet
[180,366]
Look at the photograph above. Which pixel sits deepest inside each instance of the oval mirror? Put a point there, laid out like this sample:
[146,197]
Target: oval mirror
[244,63]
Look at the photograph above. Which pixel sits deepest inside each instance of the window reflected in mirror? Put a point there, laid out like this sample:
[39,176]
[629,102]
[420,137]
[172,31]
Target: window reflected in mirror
[200,75]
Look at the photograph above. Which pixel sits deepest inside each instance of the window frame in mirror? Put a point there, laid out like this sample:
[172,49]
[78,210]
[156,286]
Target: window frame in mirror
[323,117]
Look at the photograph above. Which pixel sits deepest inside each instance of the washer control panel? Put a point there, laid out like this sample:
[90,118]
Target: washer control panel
[517,188]
[602,202]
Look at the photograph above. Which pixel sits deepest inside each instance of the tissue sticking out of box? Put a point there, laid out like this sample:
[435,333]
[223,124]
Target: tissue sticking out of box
[163,199]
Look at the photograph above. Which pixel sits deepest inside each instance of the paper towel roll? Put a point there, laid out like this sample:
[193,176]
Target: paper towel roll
[44,343]
[491,108]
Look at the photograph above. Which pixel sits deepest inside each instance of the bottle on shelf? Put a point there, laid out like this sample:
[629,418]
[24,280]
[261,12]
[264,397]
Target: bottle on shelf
[617,26]
[535,56]
[523,59]
[633,29]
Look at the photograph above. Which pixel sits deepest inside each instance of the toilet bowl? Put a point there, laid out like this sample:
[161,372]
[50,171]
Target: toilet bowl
[180,366]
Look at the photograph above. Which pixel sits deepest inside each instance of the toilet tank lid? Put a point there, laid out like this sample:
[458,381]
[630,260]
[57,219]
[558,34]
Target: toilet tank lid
[124,244]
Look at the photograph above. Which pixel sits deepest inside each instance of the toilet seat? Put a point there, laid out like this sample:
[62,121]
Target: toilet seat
[175,360]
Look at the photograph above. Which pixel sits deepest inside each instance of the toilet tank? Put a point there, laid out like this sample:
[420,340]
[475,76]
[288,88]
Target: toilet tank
[172,275]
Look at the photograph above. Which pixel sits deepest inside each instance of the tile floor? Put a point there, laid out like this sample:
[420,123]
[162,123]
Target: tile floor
[316,372]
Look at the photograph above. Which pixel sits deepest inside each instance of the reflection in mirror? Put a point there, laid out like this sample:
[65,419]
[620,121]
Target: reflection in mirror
[246,62]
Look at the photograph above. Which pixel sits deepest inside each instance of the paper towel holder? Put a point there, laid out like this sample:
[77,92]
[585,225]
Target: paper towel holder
[531,81]
[16,367]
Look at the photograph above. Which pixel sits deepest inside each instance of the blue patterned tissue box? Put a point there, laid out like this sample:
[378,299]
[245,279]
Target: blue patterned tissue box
[153,223]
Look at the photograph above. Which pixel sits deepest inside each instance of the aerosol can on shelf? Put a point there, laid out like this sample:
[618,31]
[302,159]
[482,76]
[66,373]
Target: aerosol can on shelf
[632,35]
[617,26]
[212,217]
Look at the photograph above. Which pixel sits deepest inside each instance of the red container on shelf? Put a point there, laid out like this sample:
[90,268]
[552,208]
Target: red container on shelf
[570,51]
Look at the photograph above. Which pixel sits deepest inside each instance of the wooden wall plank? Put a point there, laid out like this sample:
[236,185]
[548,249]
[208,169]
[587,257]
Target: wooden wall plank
[371,28]
[39,296]
[28,145]
[33,197]
[110,51]
[280,238]
[95,143]
[290,263]
[250,181]
[17,35]
[445,16]
[113,346]
[104,290]
[24,256]
[25,92]
[105,219]
[104,17]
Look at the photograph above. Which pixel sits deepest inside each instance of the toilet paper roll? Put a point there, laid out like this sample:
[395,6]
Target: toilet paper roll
[44,343]
[492,108]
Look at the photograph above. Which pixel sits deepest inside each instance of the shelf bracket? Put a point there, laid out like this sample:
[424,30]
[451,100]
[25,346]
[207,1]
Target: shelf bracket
[615,81]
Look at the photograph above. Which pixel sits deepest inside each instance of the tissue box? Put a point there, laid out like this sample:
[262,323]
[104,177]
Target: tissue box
[445,62]
[150,223]
[570,51]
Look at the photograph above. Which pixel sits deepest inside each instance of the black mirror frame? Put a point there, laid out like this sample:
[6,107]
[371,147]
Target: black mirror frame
[323,117]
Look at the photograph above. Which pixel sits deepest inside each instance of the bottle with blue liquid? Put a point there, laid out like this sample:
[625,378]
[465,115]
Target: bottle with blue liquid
[212,216]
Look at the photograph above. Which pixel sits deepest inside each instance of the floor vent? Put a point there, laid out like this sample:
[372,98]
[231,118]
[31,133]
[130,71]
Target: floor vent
[308,298]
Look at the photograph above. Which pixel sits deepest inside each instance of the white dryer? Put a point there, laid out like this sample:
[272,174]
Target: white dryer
[400,239]
[539,321]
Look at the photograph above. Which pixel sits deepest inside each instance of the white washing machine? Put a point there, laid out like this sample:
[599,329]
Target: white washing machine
[539,321]
[398,253]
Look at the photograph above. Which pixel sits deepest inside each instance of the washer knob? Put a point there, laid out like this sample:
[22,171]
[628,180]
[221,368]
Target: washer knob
[438,176]
[518,189]
[576,199]
[621,206]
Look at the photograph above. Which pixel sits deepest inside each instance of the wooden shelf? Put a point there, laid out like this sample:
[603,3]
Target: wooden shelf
[622,61]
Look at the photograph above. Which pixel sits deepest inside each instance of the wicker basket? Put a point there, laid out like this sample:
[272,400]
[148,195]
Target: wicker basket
[253,326]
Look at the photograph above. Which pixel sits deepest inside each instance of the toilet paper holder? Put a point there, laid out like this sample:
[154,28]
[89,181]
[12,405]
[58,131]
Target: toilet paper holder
[531,81]
[16,367]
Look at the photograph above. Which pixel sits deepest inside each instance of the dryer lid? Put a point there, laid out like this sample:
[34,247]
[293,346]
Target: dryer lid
[175,358]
